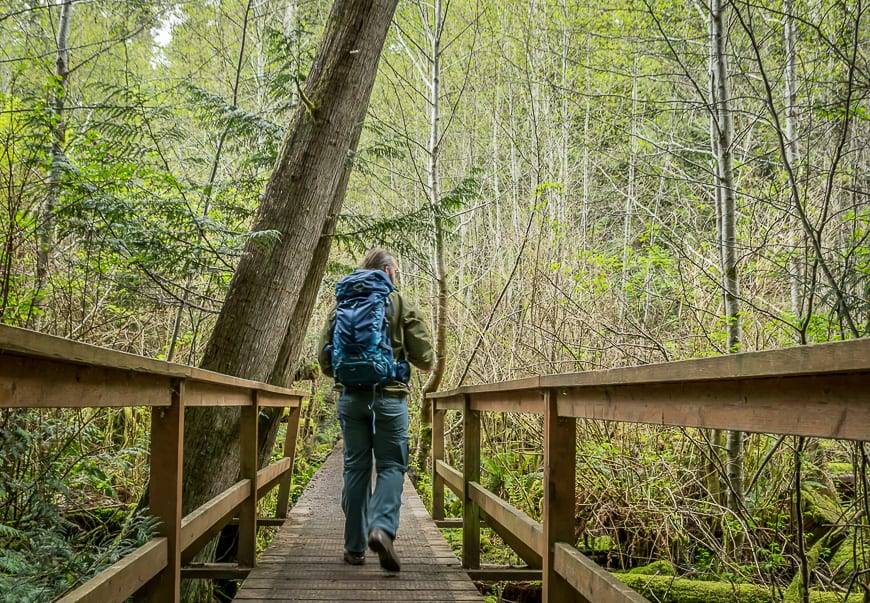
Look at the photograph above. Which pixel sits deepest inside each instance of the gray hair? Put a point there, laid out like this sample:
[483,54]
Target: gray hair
[378,259]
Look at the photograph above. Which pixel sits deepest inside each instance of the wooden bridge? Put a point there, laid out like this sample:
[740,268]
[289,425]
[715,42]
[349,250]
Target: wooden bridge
[821,390]
[304,562]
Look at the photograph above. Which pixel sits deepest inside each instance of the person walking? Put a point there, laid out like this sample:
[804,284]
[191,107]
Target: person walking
[374,417]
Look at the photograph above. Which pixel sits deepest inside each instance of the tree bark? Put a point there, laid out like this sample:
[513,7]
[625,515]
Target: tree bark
[795,265]
[291,349]
[724,137]
[424,445]
[268,291]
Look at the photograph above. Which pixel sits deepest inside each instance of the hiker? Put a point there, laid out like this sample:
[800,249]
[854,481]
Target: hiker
[367,343]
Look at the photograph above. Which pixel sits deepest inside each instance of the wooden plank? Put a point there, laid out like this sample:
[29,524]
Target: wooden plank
[470,473]
[813,405]
[437,457]
[531,383]
[519,401]
[522,533]
[451,477]
[453,403]
[441,397]
[560,461]
[201,393]
[261,522]
[593,582]
[215,571]
[247,548]
[123,578]
[310,582]
[270,521]
[44,383]
[505,574]
[290,399]
[201,525]
[268,477]
[204,376]
[291,434]
[528,383]
[840,357]
[164,499]
[397,591]
[446,396]
[199,375]
[304,560]
[24,342]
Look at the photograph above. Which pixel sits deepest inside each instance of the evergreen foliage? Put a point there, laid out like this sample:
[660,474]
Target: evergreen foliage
[580,231]
[61,520]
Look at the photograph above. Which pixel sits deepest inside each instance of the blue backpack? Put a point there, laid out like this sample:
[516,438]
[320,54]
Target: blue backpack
[362,353]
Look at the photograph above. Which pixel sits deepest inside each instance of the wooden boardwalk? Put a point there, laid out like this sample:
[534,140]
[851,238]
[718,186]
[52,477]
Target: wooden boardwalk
[304,561]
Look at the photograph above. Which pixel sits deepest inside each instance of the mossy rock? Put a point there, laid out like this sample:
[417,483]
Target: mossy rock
[656,568]
[843,560]
[666,589]
[839,468]
[822,506]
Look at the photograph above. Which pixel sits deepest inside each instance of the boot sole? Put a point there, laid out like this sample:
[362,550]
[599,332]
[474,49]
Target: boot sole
[386,555]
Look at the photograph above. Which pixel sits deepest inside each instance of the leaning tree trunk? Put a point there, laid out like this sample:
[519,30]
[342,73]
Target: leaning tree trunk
[291,349]
[301,193]
[282,375]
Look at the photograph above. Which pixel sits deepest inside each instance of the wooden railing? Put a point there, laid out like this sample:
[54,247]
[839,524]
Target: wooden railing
[40,371]
[821,390]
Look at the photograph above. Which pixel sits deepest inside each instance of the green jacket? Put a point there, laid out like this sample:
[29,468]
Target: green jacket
[408,334]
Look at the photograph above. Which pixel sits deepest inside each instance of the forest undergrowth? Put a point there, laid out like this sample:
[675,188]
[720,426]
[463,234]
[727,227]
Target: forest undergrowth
[70,486]
[650,507]
[567,186]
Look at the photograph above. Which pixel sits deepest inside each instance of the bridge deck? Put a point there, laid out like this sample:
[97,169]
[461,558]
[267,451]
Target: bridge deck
[304,561]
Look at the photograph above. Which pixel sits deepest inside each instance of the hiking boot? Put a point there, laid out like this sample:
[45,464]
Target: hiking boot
[354,558]
[381,543]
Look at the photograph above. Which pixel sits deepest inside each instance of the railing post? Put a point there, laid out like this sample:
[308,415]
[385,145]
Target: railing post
[289,453]
[164,496]
[437,455]
[560,497]
[471,473]
[247,554]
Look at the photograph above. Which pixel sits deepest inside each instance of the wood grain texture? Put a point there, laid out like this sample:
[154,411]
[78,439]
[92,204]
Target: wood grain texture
[830,406]
[590,580]
[470,473]
[560,496]
[46,383]
[124,577]
[29,355]
[523,534]
[204,523]
[304,561]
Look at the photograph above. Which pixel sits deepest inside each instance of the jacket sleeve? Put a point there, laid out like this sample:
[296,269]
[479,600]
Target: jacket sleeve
[417,344]
[324,358]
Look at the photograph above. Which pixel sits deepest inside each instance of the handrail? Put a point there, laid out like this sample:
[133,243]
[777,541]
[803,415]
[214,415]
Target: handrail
[819,390]
[43,371]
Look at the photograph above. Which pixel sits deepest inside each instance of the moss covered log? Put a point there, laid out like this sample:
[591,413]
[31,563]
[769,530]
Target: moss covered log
[667,589]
